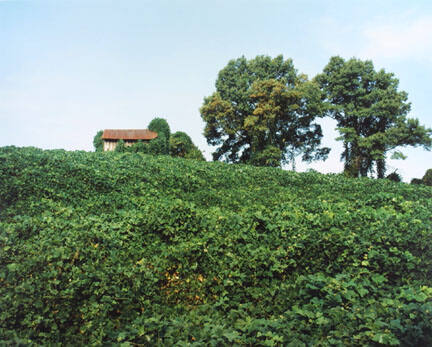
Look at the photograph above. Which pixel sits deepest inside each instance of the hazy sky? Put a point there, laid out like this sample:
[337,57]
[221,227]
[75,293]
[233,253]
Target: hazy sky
[69,68]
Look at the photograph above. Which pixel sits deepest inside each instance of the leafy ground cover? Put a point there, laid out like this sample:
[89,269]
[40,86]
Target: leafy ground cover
[126,248]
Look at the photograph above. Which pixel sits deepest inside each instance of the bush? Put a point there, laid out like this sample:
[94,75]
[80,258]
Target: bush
[395,177]
[121,147]
[416,181]
[139,147]
[181,145]
[427,178]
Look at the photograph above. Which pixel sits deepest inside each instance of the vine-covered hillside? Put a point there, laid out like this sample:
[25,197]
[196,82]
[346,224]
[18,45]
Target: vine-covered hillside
[124,248]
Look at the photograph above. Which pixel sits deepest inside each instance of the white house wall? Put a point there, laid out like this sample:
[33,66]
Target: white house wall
[110,145]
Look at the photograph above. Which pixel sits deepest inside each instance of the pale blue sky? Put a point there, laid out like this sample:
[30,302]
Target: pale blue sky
[71,67]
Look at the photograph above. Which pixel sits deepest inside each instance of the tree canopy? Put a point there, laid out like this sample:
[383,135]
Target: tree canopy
[263,113]
[98,142]
[181,145]
[159,145]
[427,178]
[371,114]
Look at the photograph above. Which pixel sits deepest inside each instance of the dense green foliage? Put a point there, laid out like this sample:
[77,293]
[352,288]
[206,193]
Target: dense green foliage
[427,178]
[394,176]
[121,147]
[160,145]
[98,142]
[107,248]
[263,113]
[371,114]
[416,181]
[160,126]
[181,145]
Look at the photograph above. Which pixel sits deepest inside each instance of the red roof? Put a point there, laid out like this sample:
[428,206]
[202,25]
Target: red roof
[129,134]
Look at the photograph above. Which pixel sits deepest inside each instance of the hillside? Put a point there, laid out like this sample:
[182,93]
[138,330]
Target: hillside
[100,248]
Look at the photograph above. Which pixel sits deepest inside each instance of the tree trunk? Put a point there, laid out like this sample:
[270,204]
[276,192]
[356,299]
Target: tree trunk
[293,163]
[381,168]
[356,160]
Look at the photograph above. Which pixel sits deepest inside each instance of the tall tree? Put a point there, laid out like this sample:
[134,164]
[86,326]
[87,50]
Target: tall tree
[263,113]
[371,114]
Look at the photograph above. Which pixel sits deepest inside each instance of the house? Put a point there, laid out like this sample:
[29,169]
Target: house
[111,137]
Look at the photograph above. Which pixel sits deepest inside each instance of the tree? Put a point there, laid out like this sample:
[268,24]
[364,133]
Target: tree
[160,125]
[427,178]
[394,176]
[371,115]
[98,142]
[416,181]
[160,145]
[263,113]
[195,154]
[181,145]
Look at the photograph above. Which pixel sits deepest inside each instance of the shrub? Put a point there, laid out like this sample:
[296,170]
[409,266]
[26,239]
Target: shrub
[416,181]
[181,145]
[427,178]
[395,177]
[121,147]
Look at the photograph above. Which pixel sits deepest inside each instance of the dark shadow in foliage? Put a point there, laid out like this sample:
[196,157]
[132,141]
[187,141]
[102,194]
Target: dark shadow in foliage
[427,178]
[394,176]
[416,181]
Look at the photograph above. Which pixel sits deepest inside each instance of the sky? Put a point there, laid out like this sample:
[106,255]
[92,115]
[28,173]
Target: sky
[69,68]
